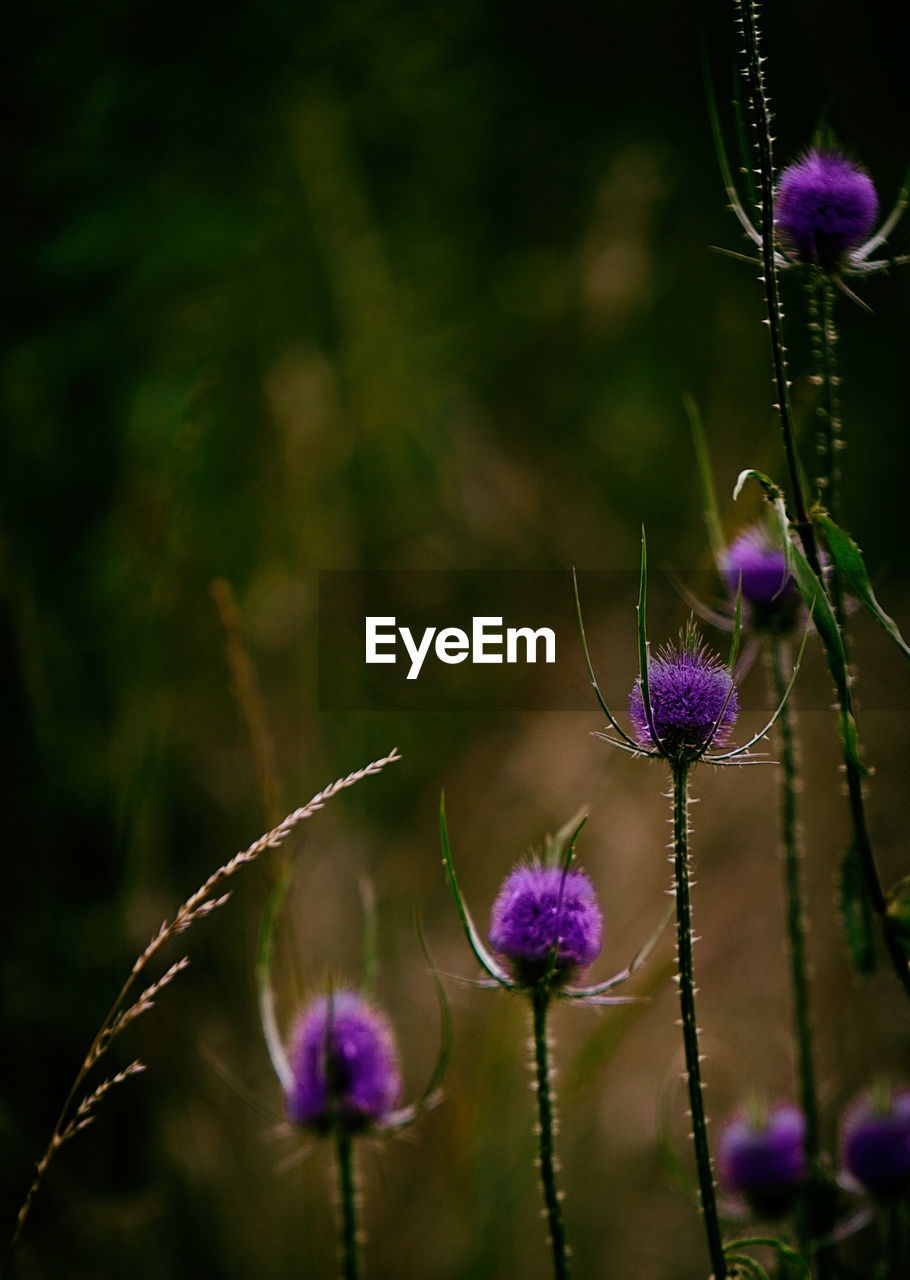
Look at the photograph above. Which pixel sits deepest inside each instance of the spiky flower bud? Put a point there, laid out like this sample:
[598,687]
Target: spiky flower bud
[344,1065]
[763,1159]
[757,566]
[875,1142]
[537,909]
[693,700]
[824,206]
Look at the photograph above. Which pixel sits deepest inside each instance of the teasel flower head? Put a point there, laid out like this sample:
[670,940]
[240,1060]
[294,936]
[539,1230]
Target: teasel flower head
[762,1158]
[344,1066]
[756,566]
[693,702]
[546,925]
[825,206]
[875,1142]
[544,920]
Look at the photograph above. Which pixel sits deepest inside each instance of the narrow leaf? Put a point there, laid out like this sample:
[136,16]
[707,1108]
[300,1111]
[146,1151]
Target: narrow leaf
[642,611]
[274,1043]
[848,560]
[858,917]
[481,954]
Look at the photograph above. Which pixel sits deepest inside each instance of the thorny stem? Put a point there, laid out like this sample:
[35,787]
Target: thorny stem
[761,120]
[823,332]
[684,940]
[760,112]
[546,1134]
[810,1223]
[350,1263]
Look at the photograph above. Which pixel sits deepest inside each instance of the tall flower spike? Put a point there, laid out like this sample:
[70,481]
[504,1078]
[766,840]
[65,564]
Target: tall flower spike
[339,1073]
[546,926]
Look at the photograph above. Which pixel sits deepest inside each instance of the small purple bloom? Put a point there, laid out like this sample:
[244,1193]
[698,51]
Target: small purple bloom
[537,909]
[691,691]
[875,1142]
[764,1161]
[344,1065]
[768,591]
[824,206]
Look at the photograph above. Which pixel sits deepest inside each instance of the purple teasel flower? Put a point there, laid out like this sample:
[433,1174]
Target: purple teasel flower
[825,207]
[763,1159]
[344,1066]
[756,566]
[875,1143]
[545,919]
[693,702]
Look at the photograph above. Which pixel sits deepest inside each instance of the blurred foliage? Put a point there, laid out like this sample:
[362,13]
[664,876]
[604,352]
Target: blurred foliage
[386,285]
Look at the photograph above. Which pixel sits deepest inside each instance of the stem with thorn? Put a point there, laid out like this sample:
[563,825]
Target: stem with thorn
[547,1131]
[684,941]
[350,1264]
[760,112]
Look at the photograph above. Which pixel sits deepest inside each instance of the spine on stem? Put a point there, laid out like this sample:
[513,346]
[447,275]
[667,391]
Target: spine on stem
[347,1191]
[684,939]
[547,1135]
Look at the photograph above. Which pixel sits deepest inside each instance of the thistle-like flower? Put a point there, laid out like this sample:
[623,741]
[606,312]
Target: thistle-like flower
[546,926]
[755,566]
[825,207]
[875,1142]
[344,1066]
[546,921]
[693,702]
[763,1158]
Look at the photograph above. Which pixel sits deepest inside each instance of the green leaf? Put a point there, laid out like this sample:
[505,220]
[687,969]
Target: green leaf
[898,913]
[816,600]
[784,1251]
[859,919]
[848,560]
[642,612]
[483,957]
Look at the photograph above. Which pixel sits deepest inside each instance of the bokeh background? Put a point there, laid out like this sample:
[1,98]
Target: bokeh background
[378,285]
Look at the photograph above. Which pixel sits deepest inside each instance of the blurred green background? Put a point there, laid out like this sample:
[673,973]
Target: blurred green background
[376,285]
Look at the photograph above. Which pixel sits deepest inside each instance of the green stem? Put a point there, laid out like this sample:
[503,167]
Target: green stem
[546,1135]
[812,1222]
[350,1263]
[760,112]
[684,941]
[761,119]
